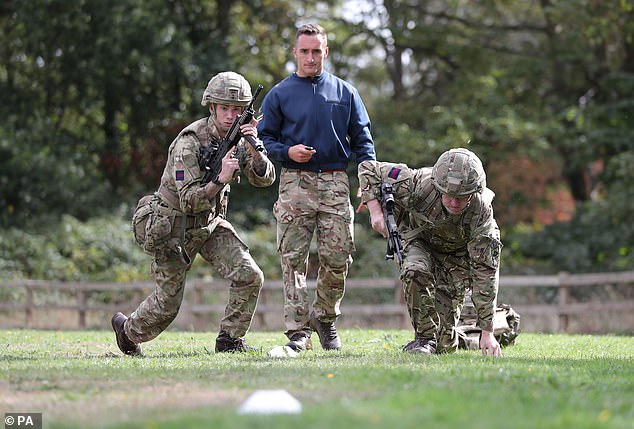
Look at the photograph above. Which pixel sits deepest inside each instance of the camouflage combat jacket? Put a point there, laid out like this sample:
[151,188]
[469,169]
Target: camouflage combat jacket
[180,182]
[470,239]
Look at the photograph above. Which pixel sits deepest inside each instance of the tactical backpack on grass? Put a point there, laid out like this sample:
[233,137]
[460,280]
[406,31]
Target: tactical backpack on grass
[506,326]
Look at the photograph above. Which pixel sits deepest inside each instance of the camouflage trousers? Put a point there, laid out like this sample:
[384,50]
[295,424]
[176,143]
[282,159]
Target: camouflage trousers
[434,287]
[222,248]
[313,204]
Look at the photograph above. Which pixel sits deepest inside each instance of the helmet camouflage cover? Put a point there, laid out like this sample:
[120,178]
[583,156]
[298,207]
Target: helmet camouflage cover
[228,88]
[458,173]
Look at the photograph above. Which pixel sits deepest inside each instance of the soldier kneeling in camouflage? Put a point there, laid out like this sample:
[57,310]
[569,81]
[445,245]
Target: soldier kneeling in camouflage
[186,217]
[451,244]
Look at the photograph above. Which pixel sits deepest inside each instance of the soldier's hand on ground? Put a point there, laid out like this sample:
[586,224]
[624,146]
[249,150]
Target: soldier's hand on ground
[301,153]
[489,345]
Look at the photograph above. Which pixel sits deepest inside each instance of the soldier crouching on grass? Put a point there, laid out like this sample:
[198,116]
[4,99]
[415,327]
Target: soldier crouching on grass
[451,244]
[186,217]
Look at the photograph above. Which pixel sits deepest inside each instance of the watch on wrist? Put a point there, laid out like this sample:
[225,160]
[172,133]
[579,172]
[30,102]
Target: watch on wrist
[216,181]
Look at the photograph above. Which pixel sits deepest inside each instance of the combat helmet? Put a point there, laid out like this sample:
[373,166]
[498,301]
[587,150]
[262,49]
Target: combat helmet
[228,88]
[458,173]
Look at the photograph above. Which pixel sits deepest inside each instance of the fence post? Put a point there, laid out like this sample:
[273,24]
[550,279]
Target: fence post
[83,304]
[199,299]
[564,294]
[399,298]
[28,308]
[262,300]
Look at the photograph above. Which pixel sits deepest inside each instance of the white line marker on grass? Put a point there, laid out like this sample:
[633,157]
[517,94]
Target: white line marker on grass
[270,402]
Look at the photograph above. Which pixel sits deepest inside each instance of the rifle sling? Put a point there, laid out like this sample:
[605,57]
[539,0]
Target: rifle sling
[412,233]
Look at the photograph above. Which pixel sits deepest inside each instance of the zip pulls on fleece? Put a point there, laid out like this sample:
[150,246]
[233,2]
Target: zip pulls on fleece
[315,158]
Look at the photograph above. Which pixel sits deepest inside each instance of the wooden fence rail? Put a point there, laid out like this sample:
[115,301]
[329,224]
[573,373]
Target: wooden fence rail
[198,308]
[565,282]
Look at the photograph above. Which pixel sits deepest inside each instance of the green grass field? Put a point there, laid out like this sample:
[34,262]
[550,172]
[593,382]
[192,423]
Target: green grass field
[80,380]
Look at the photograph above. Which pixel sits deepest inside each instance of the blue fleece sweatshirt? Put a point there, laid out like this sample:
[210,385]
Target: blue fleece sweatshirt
[324,112]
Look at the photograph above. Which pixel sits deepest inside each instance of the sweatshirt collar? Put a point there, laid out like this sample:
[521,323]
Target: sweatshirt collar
[316,79]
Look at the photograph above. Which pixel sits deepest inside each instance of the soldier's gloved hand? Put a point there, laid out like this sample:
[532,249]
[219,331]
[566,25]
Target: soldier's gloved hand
[489,345]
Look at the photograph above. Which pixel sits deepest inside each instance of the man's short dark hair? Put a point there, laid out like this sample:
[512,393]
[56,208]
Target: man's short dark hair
[311,30]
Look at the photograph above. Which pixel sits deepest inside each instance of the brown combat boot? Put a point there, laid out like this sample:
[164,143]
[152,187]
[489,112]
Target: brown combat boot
[226,344]
[327,333]
[124,343]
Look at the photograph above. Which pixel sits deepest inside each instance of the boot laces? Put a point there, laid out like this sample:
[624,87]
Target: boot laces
[329,330]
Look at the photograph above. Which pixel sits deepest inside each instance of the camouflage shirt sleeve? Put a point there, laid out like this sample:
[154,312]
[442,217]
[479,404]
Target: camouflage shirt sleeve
[484,249]
[374,173]
[260,171]
[187,175]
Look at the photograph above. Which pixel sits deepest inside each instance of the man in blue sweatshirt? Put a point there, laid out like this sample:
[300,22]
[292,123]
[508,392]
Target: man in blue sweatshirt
[313,122]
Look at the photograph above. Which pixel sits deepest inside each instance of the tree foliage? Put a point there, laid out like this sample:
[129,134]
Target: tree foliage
[540,90]
[93,92]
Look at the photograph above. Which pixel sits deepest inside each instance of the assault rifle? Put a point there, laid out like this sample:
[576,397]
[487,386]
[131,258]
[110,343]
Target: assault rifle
[210,159]
[394,246]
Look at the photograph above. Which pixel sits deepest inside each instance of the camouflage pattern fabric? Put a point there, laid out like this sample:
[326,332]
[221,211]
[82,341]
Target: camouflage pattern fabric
[175,235]
[311,202]
[444,255]
[182,174]
[434,293]
[221,248]
[506,326]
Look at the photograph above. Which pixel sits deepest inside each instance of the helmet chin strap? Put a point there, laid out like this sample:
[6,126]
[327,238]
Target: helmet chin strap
[214,117]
